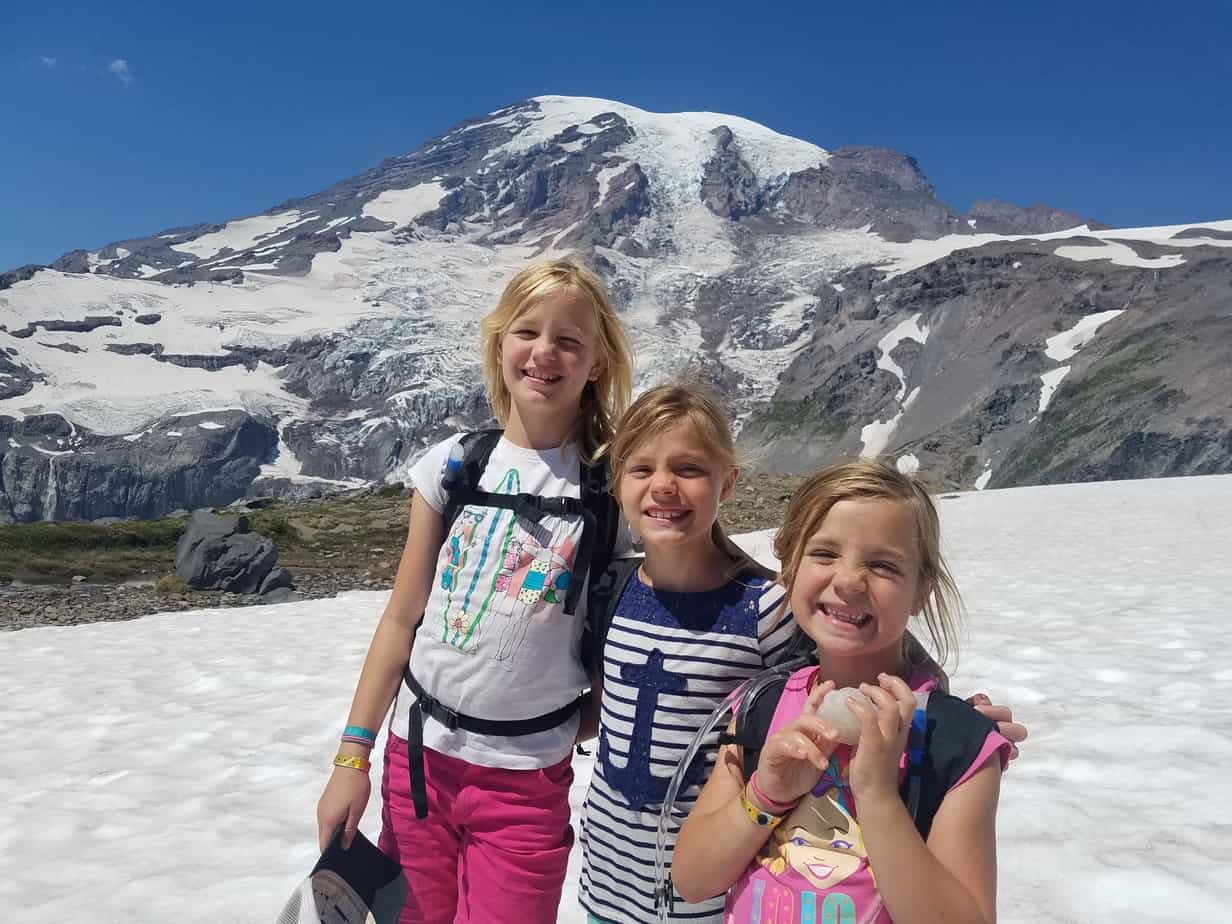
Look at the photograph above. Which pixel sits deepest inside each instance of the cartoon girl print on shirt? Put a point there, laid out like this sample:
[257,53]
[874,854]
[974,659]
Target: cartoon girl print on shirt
[532,581]
[821,844]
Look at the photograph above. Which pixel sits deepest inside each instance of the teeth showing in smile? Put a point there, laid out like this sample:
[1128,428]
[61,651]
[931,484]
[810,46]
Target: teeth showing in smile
[659,514]
[540,376]
[851,617]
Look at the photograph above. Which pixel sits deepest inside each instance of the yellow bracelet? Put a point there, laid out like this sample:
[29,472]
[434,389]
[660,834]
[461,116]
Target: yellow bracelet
[759,817]
[355,763]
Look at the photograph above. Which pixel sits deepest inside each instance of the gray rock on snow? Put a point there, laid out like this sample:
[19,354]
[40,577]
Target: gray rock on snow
[219,553]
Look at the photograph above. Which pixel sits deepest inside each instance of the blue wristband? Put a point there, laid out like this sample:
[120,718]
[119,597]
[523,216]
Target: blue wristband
[360,732]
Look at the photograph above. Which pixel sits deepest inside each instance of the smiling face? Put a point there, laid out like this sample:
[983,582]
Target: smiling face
[670,489]
[548,355]
[858,581]
[828,854]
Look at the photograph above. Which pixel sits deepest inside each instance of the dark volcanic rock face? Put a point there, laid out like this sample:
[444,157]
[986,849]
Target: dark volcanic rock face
[15,378]
[868,186]
[51,470]
[1144,396]
[21,274]
[729,186]
[992,216]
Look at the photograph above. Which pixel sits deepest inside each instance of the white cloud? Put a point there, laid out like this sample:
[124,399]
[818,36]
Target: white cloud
[119,67]
[47,62]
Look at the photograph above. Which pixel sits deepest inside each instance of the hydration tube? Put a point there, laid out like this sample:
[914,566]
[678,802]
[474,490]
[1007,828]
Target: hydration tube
[664,894]
[745,692]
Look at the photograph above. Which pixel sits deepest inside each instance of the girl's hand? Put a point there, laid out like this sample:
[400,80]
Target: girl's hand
[793,758]
[883,737]
[1015,732]
[342,805]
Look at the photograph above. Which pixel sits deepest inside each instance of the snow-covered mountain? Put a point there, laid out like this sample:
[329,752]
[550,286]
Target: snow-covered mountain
[830,296]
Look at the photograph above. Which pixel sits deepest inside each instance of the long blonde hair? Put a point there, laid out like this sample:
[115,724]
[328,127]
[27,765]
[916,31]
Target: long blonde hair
[604,399]
[868,479]
[666,406]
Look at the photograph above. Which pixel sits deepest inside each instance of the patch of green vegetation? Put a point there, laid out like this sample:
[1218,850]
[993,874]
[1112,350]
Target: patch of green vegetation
[55,552]
[780,417]
[273,523]
[43,538]
[1080,409]
[171,585]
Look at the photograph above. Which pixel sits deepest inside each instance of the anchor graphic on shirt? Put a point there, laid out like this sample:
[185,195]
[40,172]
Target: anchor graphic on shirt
[634,780]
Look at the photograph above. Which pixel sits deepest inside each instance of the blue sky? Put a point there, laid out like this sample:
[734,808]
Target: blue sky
[126,118]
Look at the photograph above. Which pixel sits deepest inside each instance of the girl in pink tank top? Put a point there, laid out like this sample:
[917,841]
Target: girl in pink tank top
[815,830]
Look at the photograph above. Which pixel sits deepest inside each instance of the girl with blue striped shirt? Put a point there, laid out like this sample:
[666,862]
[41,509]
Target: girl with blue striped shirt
[695,620]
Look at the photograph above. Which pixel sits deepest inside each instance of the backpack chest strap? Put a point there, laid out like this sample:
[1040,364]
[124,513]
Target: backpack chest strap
[530,506]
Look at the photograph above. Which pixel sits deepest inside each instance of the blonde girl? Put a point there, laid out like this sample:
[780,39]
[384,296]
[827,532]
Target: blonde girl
[797,823]
[478,627]
[696,619]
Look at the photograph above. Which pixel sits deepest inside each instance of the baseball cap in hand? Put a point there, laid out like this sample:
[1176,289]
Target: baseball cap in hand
[359,885]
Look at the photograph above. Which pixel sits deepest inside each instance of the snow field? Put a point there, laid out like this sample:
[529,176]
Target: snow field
[177,759]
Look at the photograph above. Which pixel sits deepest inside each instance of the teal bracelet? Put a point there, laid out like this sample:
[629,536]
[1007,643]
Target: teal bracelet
[358,731]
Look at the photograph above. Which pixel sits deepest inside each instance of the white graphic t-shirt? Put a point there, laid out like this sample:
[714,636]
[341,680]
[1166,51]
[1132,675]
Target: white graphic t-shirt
[495,642]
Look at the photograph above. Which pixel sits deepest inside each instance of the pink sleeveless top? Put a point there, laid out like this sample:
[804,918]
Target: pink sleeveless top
[814,869]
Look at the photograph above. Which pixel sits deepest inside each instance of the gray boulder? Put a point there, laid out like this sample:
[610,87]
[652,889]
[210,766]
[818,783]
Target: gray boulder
[278,579]
[219,553]
[281,595]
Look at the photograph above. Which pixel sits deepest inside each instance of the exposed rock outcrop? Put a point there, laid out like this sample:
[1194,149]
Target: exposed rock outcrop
[1144,396]
[874,187]
[992,216]
[51,470]
[220,553]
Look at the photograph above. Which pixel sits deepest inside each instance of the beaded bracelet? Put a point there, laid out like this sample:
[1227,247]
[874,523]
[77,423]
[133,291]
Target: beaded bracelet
[353,762]
[359,731]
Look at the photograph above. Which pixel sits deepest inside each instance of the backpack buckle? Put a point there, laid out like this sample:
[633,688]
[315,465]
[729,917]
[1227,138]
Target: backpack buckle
[440,712]
[451,717]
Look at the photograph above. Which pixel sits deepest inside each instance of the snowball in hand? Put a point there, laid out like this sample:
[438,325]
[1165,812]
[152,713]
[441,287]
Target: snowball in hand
[834,712]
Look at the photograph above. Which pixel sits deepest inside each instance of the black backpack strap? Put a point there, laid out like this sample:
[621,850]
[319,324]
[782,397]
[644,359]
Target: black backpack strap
[533,507]
[955,733]
[600,519]
[753,715]
[463,469]
[605,592]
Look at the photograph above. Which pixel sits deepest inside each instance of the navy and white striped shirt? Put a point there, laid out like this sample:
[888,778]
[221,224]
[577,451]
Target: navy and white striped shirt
[670,658]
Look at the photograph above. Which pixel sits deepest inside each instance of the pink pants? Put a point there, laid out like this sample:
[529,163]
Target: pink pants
[494,847]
